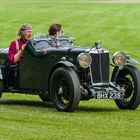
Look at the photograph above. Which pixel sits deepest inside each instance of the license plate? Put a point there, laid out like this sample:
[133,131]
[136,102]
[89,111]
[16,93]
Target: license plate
[109,95]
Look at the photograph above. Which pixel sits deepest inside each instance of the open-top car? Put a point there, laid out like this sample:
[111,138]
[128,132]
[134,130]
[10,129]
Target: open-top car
[64,74]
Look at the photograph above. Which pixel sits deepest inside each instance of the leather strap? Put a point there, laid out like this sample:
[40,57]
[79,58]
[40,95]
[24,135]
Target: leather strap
[17,45]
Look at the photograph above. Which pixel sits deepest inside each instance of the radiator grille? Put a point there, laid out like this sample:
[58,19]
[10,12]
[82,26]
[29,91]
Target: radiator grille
[100,67]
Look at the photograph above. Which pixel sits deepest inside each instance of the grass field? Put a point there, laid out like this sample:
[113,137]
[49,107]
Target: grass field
[116,24]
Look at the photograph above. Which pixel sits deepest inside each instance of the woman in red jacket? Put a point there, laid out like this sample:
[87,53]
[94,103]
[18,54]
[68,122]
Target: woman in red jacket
[17,47]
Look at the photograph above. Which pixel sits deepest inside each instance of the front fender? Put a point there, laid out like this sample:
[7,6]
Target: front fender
[65,64]
[116,71]
[131,61]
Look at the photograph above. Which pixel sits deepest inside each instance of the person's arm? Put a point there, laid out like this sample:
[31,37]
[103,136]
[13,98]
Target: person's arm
[13,55]
[18,55]
[12,52]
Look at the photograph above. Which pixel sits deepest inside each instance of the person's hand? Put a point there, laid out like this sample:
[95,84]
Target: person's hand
[23,47]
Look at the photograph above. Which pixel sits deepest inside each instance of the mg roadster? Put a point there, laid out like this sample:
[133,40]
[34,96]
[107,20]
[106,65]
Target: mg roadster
[65,74]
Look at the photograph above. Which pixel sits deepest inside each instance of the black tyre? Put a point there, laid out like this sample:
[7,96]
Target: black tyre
[0,94]
[129,77]
[65,89]
[44,96]
[1,87]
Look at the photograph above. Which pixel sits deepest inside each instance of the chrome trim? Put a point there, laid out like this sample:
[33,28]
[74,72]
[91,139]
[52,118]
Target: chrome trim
[87,54]
[131,61]
[91,75]
[101,84]
[100,63]
[95,51]
[114,56]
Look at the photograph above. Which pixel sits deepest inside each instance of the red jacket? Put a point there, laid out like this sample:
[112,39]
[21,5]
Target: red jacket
[13,50]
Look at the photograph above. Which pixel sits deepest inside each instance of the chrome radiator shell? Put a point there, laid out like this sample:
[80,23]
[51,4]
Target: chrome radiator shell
[100,67]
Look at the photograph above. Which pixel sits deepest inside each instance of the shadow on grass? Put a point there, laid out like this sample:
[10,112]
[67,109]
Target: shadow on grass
[50,105]
[28,103]
[97,109]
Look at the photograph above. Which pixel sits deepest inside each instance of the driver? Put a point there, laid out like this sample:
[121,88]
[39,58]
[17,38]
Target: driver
[17,47]
[55,29]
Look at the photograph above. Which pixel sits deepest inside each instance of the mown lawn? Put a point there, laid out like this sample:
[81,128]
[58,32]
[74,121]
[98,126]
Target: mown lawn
[25,117]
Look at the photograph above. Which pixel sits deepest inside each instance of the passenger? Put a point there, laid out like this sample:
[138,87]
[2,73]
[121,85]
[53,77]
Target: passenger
[56,30]
[17,47]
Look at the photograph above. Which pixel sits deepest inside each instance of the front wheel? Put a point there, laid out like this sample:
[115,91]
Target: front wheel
[129,78]
[65,89]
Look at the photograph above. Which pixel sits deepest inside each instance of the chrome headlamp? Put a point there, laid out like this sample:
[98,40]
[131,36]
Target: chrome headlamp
[119,58]
[84,60]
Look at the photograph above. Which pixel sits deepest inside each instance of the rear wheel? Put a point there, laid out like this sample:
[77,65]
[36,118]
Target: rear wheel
[129,78]
[0,94]
[1,87]
[65,89]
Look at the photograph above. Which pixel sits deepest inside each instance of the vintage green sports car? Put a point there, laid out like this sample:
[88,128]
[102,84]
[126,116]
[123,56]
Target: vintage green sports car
[64,74]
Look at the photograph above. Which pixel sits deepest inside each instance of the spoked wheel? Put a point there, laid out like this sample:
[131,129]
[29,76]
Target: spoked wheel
[129,78]
[65,89]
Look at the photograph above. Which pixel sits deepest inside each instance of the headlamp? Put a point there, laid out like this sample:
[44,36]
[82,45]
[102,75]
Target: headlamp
[119,58]
[84,60]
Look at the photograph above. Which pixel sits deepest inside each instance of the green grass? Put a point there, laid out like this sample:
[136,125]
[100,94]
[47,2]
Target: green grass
[117,25]
[25,117]
[28,118]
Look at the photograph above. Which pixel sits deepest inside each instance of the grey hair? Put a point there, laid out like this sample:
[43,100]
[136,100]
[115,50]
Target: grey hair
[25,26]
